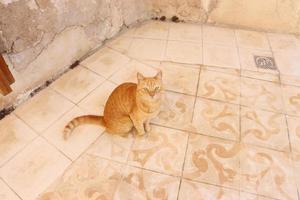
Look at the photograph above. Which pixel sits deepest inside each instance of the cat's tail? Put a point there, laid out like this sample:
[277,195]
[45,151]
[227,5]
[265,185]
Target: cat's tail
[86,119]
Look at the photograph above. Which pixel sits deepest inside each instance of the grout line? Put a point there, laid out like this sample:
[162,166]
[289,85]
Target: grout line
[12,190]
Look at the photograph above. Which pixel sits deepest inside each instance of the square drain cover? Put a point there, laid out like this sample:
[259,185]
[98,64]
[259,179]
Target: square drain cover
[265,62]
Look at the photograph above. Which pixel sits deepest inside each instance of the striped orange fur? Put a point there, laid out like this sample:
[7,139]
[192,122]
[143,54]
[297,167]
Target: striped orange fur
[129,106]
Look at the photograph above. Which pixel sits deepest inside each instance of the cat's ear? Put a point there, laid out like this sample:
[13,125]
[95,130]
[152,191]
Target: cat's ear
[140,76]
[158,75]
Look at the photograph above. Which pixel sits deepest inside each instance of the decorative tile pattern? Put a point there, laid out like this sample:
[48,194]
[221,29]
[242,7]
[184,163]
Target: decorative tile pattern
[217,119]
[106,62]
[76,84]
[292,100]
[221,56]
[261,94]
[88,178]
[162,150]
[263,172]
[43,109]
[32,170]
[219,86]
[264,128]
[13,137]
[184,52]
[80,139]
[294,132]
[179,78]
[112,147]
[231,134]
[142,184]
[176,111]
[213,161]
[200,191]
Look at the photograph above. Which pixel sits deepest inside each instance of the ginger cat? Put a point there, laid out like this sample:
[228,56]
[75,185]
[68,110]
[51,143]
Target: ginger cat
[129,106]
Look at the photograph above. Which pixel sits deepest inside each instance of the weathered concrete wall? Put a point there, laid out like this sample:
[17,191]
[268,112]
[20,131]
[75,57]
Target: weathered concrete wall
[42,37]
[270,15]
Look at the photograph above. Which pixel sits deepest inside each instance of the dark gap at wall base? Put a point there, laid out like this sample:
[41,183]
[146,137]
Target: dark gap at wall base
[6,111]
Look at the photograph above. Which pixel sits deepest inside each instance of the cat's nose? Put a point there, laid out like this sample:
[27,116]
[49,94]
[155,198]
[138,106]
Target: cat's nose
[152,94]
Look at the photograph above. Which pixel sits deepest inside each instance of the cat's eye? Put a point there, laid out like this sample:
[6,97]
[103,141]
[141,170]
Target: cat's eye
[157,88]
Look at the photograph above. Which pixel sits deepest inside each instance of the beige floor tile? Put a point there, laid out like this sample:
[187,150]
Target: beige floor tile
[129,72]
[43,109]
[120,43]
[218,35]
[141,184]
[14,135]
[290,80]
[267,172]
[96,100]
[82,137]
[106,62]
[219,86]
[88,178]
[232,71]
[264,128]
[179,78]
[217,119]
[291,99]
[261,94]
[248,196]
[77,83]
[153,30]
[176,111]
[288,62]
[6,193]
[261,76]
[284,42]
[252,39]
[296,161]
[112,147]
[221,56]
[247,59]
[200,191]
[184,52]
[186,32]
[213,161]
[162,150]
[147,49]
[32,170]
[294,132]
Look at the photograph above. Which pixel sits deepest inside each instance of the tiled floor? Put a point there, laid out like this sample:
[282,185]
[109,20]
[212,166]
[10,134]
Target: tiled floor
[227,130]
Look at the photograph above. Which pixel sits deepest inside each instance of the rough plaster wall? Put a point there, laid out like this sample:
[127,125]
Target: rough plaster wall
[269,15]
[42,37]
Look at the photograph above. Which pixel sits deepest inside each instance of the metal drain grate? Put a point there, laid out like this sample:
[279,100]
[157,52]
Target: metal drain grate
[265,62]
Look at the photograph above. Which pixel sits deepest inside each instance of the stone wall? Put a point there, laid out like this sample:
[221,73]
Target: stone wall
[40,38]
[270,15]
